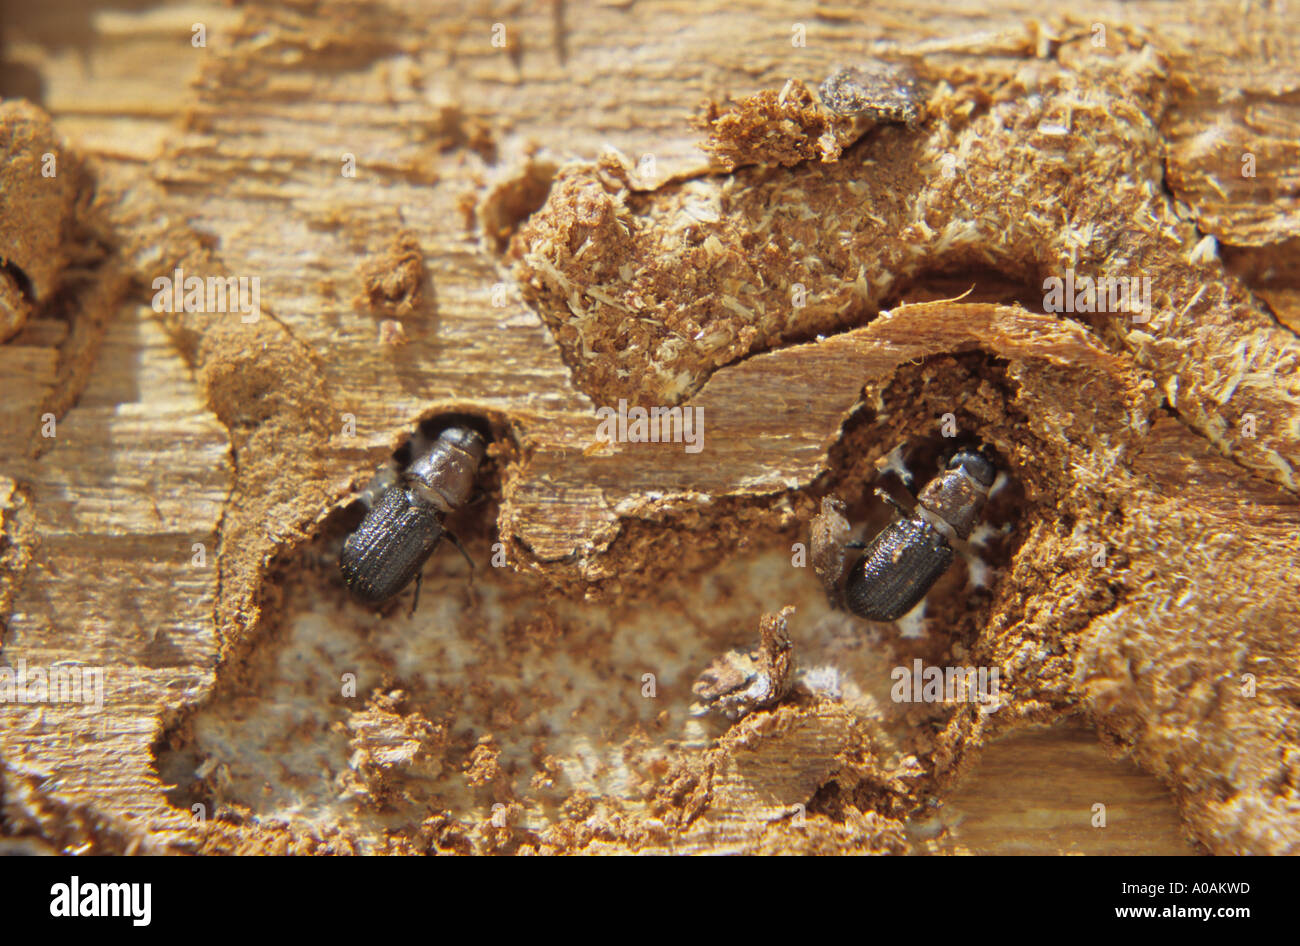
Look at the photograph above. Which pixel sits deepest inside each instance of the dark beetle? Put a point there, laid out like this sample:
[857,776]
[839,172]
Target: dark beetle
[403,528]
[907,557]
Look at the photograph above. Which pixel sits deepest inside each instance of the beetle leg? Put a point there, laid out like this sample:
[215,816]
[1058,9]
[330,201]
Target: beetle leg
[903,510]
[456,542]
[384,478]
[893,462]
[416,599]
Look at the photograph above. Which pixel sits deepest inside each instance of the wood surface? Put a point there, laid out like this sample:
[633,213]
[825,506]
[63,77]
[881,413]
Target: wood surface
[510,713]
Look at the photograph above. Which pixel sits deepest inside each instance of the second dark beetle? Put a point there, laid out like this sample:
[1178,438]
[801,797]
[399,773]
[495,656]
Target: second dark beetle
[906,557]
[404,526]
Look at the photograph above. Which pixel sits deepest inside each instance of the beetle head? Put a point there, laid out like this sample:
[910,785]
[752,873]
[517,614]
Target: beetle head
[977,466]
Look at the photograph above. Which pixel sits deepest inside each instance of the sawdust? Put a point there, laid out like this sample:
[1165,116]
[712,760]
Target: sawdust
[390,741]
[37,198]
[739,682]
[1046,168]
[59,277]
[395,282]
[782,127]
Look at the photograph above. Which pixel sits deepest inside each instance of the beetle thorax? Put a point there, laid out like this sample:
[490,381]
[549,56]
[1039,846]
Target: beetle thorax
[444,476]
[956,498]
